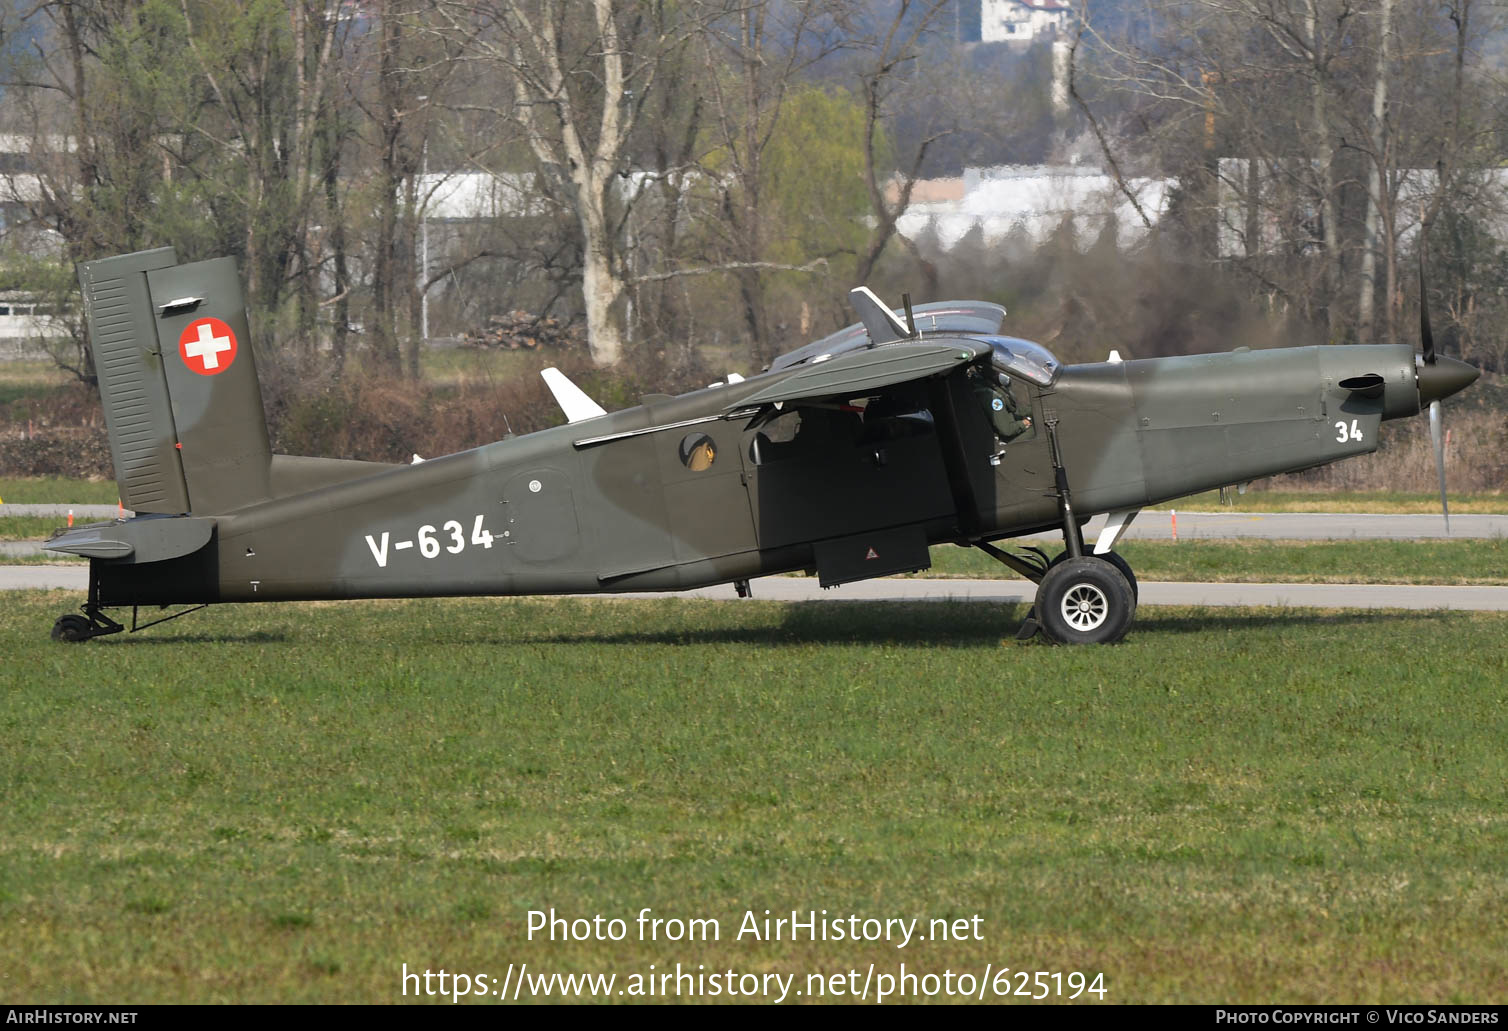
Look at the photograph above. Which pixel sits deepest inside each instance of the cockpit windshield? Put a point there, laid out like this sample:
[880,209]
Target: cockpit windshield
[1023,359]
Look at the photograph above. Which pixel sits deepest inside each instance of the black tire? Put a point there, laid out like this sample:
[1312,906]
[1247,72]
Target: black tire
[1125,568]
[1115,560]
[74,629]
[1084,601]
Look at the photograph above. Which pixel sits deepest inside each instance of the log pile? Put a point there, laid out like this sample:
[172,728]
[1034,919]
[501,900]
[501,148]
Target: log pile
[520,330]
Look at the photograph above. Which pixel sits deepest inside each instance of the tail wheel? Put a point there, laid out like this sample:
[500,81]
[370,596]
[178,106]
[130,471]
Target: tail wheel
[1085,601]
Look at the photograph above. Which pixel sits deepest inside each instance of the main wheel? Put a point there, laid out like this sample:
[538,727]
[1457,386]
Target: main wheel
[1125,568]
[1115,560]
[1084,601]
[72,628]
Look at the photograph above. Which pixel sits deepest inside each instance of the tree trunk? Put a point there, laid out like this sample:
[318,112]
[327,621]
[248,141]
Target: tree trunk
[1252,228]
[385,286]
[602,289]
[1376,181]
[1325,158]
[336,214]
[410,275]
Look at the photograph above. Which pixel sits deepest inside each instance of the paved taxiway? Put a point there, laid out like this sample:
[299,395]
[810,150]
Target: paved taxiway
[1151,524]
[794,588]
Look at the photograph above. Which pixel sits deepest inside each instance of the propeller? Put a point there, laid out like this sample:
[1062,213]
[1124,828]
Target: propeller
[1437,437]
[1435,382]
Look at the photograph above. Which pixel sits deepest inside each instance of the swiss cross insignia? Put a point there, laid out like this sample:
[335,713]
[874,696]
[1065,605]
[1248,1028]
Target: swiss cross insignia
[207,346]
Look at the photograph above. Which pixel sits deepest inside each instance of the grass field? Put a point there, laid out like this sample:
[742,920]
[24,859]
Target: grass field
[30,528]
[55,490]
[1198,561]
[286,803]
[1422,502]
[30,379]
[1481,561]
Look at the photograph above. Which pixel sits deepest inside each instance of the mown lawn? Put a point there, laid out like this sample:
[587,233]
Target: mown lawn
[31,528]
[1466,561]
[57,490]
[1384,501]
[289,802]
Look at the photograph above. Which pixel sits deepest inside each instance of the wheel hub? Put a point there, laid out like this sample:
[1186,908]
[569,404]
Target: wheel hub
[1085,607]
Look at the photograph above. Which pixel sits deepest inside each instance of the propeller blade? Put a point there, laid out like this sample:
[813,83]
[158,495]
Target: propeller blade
[1426,337]
[1437,437]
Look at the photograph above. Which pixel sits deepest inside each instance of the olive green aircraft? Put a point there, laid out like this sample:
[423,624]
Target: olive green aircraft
[847,458]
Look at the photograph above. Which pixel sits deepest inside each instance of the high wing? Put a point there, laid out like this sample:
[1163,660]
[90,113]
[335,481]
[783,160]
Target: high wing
[862,372]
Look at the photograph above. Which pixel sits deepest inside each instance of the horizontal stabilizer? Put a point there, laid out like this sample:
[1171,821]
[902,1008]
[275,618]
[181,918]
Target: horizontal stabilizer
[150,538]
[571,398]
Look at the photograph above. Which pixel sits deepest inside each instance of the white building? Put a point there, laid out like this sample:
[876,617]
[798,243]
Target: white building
[1277,204]
[1021,21]
[1031,200]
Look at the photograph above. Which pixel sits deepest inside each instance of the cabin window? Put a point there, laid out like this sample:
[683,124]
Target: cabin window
[698,452]
[776,438]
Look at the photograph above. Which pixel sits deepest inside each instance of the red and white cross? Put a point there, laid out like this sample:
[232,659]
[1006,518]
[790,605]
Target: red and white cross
[208,346]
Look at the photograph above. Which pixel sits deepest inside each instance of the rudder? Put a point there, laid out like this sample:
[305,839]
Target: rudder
[178,381]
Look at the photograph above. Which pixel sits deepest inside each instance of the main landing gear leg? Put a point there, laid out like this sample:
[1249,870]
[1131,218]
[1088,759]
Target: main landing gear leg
[1081,599]
[93,623]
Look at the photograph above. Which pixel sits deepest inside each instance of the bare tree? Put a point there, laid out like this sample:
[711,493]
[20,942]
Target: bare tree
[1279,119]
[577,86]
[887,66]
[1377,176]
[755,53]
[261,121]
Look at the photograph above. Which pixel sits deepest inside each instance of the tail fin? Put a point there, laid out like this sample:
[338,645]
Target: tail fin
[179,384]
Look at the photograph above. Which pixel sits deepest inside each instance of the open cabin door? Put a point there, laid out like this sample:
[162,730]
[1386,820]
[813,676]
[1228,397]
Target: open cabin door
[827,470]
